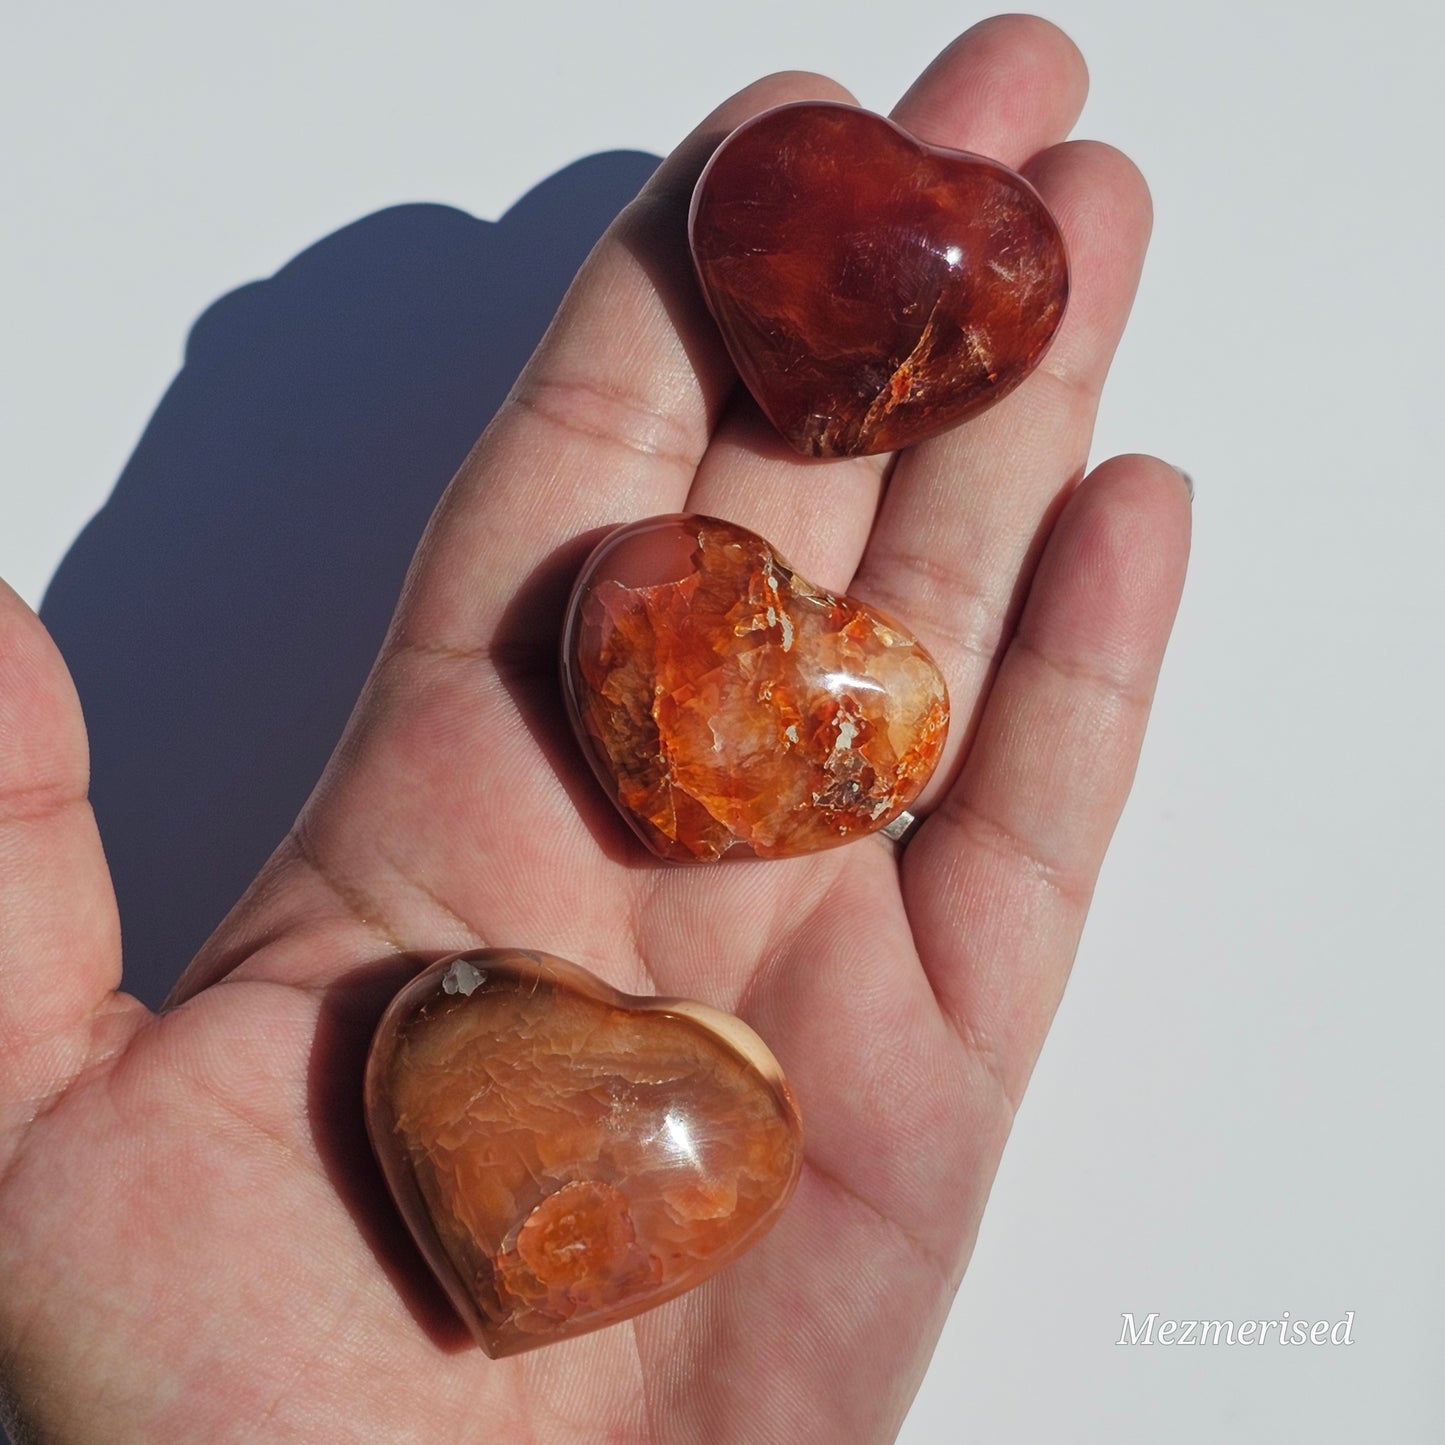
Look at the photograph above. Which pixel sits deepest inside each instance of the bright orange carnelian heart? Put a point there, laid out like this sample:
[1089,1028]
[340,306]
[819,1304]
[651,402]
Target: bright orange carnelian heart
[730,708]
[565,1155]
[871,289]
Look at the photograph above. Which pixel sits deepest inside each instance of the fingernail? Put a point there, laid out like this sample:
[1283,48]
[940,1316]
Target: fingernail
[1188,481]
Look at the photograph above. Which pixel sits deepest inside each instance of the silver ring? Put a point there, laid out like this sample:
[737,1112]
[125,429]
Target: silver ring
[898,830]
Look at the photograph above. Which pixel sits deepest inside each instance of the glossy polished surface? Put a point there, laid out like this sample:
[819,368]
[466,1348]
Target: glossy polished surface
[566,1155]
[730,708]
[872,290]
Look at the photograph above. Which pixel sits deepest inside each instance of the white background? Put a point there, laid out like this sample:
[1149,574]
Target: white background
[1238,1111]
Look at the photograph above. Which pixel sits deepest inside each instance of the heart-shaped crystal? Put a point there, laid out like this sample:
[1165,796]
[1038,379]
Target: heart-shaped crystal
[728,707]
[566,1155]
[871,289]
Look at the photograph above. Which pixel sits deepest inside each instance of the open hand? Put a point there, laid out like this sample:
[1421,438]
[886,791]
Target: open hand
[194,1243]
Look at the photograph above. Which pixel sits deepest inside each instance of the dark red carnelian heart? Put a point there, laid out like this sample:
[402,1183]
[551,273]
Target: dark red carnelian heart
[871,289]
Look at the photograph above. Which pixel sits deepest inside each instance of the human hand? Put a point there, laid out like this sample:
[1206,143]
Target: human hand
[194,1244]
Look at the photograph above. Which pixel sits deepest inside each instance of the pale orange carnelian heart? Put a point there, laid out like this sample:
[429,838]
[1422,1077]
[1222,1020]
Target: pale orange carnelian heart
[871,289]
[565,1155]
[731,709]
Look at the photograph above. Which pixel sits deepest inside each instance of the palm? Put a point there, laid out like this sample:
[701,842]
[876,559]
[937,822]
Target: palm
[192,1240]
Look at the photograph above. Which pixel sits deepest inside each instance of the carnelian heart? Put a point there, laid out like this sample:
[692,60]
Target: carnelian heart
[728,707]
[567,1155]
[871,289]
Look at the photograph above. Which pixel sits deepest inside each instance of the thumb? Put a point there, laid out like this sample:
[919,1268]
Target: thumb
[59,933]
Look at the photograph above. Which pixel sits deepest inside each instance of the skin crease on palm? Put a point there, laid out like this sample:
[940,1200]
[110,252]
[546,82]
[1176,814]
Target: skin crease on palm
[193,1242]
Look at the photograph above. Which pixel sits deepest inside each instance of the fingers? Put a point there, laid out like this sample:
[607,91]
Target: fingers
[609,418]
[608,422]
[59,935]
[1007,88]
[999,878]
[967,511]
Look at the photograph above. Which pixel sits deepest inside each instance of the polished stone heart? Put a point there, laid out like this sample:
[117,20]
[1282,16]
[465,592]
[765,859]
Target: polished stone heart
[730,708]
[871,289]
[566,1155]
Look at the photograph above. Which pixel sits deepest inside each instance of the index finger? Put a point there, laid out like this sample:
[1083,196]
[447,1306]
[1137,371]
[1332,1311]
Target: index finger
[607,421]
